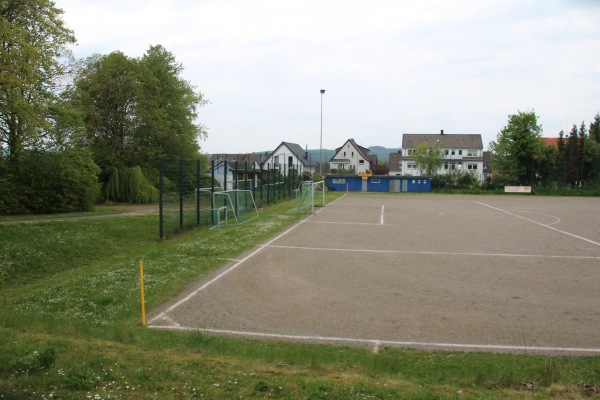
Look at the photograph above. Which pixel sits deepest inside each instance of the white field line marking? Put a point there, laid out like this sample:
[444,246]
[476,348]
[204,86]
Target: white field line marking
[539,223]
[222,274]
[435,253]
[343,223]
[382,209]
[556,219]
[374,342]
[171,320]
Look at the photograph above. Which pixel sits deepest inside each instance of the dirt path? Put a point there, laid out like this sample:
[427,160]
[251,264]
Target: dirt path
[126,210]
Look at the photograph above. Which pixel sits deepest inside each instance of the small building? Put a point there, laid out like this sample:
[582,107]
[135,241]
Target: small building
[288,157]
[378,183]
[241,168]
[223,172]
[352,158]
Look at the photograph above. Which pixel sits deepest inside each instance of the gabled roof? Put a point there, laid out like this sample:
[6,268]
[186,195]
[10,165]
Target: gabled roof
[363,151]
[296,149]
[451,141]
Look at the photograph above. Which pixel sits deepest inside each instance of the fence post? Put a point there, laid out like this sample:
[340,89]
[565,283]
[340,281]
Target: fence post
[237,187]
[198,192]
[268,180]
[161,168]
[181,193]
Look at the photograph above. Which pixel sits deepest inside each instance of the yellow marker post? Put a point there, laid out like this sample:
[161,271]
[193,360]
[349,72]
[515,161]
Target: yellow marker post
[142,290]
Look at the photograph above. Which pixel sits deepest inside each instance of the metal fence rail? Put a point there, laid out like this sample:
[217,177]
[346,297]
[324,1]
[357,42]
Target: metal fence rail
[186,190]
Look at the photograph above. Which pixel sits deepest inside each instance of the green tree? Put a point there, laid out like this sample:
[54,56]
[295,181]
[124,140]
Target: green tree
[167,109]
[595,129]
[105,93]
[592,150]
[137,110]
[429,157]
[33,38]
[517,151]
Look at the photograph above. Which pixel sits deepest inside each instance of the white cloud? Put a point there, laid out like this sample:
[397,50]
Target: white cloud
[389,67]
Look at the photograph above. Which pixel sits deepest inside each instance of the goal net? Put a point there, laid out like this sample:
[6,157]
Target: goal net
[232,207]
[311,194]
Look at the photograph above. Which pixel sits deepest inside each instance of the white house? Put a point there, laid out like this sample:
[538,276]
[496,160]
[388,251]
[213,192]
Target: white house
[223,175]
[353,158]
[461,153]
[288,156]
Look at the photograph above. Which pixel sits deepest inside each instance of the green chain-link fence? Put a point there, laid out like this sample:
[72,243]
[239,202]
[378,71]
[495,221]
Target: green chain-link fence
[187,193]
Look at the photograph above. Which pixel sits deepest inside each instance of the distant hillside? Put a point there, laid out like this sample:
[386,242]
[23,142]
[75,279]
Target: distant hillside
[383,153]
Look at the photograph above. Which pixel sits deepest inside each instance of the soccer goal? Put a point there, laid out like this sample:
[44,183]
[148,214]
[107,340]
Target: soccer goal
[232,207]
[311,194]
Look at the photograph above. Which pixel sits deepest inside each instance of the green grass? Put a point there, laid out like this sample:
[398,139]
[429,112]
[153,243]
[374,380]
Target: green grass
[70,328]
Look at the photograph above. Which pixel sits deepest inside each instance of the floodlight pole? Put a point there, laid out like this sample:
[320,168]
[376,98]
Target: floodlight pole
[321,144]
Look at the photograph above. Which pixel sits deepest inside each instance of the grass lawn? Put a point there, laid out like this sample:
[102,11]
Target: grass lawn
[70,329]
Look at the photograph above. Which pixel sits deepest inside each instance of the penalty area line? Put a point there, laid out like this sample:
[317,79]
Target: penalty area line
[378,343]
[539,223]
[162,314]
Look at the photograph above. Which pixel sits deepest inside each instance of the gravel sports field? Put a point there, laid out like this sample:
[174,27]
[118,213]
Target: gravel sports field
[512,273]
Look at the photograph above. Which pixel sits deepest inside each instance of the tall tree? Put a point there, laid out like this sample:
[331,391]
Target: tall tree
[517,151]
[106,95]
[137,110]
[167,108]
[33,38]
[595,128]
[573,157]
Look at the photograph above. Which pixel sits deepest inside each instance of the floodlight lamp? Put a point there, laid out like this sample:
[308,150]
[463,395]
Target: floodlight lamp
[322,91]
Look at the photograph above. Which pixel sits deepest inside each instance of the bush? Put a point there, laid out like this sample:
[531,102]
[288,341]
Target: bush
[50,182]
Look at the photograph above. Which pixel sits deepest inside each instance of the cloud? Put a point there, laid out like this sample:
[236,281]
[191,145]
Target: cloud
[389,67]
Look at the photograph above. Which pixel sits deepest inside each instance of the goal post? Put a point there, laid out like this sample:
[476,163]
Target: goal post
[232,207]
[311,194]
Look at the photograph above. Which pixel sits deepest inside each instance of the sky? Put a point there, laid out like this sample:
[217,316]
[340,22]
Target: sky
[389,67]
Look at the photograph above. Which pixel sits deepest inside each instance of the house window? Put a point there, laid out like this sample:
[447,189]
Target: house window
[361,162]
[275,161]
[411,152]
[472,167]
[344,154]
[446,166]
[411,166]
[472,153]
[339,180]
[375,180]
[352,154]
[460,152]
[340,166]
[290,161]
[453,152]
